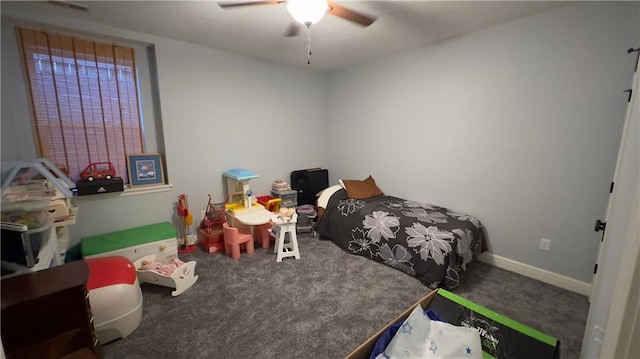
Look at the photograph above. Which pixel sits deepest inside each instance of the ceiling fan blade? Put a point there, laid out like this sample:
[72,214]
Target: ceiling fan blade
[293,30]
[340,11]
[249,3]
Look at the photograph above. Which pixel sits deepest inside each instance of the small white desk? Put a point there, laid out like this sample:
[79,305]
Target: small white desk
[255,220]
[254,217]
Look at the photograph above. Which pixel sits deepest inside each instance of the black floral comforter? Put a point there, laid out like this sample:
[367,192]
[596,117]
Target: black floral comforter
[428,242]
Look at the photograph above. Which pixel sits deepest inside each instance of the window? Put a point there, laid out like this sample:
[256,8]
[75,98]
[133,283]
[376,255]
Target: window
[85,101]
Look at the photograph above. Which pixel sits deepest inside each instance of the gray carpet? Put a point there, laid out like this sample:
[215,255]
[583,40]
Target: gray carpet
[322,306]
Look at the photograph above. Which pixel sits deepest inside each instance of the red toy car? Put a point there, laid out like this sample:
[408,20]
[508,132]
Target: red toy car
[98,170]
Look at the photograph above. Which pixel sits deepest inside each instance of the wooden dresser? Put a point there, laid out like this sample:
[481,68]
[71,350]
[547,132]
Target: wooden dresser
[46,314]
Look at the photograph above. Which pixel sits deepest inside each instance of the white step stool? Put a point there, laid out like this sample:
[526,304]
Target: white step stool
[286,245]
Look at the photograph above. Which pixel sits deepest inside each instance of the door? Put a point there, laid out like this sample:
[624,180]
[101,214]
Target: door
[600,225]
[616,259]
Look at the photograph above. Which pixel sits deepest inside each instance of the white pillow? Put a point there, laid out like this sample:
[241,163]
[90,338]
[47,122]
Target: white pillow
[342,184]
[420,337]
[323,199]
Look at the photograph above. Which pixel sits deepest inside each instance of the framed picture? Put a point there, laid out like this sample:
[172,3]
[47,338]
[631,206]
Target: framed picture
[145,169]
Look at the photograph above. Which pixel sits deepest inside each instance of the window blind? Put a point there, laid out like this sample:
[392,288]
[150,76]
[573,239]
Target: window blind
[84,98]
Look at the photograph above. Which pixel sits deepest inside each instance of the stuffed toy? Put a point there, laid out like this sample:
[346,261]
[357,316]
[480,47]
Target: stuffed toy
[286,214]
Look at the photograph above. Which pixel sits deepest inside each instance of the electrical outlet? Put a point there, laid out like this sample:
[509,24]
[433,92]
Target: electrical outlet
[545,244]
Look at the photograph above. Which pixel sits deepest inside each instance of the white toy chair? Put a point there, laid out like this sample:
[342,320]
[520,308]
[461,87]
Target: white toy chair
[286,245]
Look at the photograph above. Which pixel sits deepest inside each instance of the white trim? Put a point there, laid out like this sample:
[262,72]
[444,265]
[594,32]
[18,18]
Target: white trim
[542,275]
[133,191]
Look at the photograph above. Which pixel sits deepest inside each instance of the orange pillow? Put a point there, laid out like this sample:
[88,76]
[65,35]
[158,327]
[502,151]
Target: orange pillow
[362,189]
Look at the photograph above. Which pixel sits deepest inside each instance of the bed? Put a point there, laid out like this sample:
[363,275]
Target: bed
[432,243]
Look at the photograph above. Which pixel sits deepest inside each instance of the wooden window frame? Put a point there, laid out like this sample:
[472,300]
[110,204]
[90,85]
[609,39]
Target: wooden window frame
[85,99]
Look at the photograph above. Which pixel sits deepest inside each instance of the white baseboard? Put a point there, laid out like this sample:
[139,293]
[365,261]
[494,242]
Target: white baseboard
[542,275]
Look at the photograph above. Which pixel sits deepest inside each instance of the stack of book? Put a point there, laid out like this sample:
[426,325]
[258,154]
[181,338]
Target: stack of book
[280,186]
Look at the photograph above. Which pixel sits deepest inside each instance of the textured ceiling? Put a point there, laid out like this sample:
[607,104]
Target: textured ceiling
[258,30]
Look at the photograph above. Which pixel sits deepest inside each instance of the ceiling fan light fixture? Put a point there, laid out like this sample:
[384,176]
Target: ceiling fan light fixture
[307,12]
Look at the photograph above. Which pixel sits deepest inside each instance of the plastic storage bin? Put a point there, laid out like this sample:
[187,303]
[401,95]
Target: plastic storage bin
[22,246]
[289,198]
[31,212]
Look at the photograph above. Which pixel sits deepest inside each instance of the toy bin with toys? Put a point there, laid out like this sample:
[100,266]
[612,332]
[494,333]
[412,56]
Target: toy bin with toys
[32,212]
[500,337]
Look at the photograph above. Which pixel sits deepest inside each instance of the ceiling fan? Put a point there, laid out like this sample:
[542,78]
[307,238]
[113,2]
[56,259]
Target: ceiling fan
[308,12]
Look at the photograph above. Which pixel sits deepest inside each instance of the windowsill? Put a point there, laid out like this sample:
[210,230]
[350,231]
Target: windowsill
[128,191]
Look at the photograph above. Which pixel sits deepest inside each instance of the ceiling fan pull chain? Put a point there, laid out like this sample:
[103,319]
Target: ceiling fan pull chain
[308,43]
